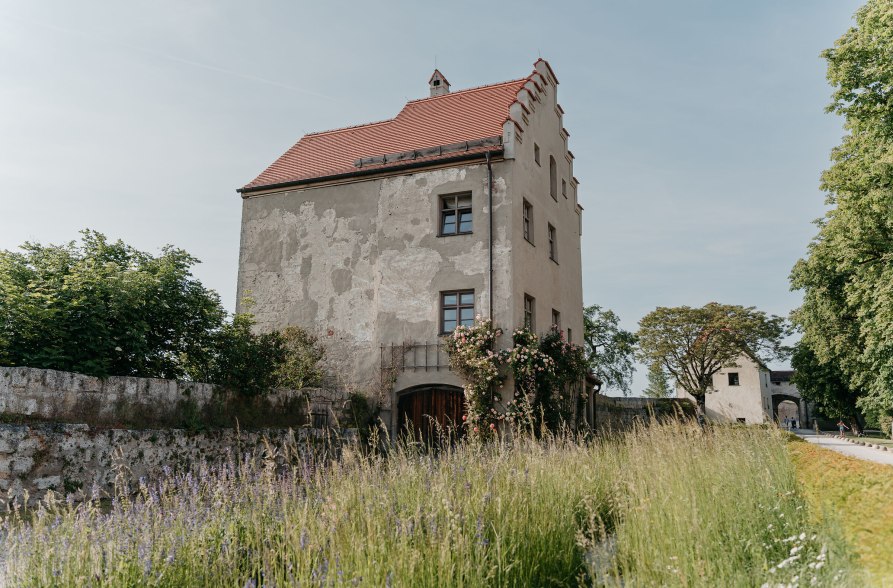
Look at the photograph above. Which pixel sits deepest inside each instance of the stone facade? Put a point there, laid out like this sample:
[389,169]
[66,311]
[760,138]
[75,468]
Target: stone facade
[361,262]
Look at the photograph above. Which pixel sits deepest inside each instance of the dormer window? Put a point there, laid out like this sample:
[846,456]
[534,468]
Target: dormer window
[438,84]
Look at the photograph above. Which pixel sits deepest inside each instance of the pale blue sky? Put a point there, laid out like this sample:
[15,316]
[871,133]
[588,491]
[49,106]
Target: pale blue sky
[698,127]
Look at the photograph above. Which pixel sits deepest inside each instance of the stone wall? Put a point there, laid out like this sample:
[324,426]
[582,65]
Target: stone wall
[618,414]
[76,460]
[51,395]
[72,433]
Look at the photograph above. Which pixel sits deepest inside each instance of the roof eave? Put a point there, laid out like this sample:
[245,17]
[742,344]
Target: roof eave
[245,191]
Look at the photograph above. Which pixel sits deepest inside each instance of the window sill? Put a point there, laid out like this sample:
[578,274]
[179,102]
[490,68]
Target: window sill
[553,260]
[455,234]
[529,241]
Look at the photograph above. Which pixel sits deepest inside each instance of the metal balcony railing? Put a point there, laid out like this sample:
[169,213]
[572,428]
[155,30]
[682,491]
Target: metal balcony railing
[414,357]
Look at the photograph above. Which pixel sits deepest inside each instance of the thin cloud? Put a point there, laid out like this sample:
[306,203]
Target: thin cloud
[98,37]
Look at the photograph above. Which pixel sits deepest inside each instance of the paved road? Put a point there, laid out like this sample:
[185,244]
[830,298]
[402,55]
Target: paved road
[847,448]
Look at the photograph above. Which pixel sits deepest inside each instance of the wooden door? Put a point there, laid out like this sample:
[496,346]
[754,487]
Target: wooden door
[427,410]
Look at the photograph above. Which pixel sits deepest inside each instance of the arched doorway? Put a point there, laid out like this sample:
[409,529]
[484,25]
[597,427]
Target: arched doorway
[785,406]
[425,410]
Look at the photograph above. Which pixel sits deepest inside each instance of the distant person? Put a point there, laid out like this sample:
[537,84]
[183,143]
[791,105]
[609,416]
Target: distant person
[841,425]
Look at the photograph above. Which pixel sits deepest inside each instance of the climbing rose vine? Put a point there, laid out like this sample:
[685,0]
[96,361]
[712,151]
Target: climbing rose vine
[472,356]
[542,366]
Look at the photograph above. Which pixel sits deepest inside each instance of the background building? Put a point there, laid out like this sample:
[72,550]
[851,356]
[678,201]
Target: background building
[751,393]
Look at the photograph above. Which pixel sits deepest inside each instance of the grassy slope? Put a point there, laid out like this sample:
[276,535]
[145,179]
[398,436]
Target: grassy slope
[667,505]
[859,493]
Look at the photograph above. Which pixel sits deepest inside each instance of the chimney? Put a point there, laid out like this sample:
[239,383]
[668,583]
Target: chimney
[438,84]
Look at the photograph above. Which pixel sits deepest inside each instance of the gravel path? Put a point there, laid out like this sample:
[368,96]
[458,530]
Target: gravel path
[848,447]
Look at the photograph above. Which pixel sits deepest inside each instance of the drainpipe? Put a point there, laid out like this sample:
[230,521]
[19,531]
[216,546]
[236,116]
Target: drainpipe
[490,234]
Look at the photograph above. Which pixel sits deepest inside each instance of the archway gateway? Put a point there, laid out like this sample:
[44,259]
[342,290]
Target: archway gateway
[778,399]
[426,409]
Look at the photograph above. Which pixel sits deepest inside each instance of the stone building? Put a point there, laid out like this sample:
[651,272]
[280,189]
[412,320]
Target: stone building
[382,237]
[751,393]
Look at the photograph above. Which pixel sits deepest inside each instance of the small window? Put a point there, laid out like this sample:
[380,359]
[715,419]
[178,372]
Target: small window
[556,320]
[733,379]
[529,312]
[553,179]
[742,420]
[570,335]
[455,214]
[436,82]
[456,308]
[553,244]
[528,221]
[536,153]
[564,188]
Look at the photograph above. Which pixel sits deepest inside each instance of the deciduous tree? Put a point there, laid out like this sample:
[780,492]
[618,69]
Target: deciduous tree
[824,385]
[609,349]
[103,308]
[658,385]
[847,276]
[693,344]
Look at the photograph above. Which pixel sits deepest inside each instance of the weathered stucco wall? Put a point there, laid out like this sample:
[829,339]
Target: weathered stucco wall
[555,284]
[75,398]
[362,264]
[75,459]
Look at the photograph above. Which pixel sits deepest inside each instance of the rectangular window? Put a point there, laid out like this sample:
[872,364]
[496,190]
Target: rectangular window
[553,244]
[564,188]
[553,179]
[455,214]
[528,221]
[733,379]
[536,153]
[456,308]
[556,320]
[529,312]
[570,335]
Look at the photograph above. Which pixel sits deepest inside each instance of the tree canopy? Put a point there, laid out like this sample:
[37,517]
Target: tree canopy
[847,275]
[609,349]
[824,385]
[104,308]
[693,344]
[658,384]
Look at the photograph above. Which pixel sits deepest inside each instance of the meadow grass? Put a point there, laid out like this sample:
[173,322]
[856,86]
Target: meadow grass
[856,493]
[664,505]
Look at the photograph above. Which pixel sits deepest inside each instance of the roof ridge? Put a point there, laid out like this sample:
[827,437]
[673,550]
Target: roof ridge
[505,83]
[348,128]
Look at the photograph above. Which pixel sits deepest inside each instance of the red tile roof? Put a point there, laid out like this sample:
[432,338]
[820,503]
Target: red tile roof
[464,115]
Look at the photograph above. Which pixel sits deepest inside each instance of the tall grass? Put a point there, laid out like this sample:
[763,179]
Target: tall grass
[665,505]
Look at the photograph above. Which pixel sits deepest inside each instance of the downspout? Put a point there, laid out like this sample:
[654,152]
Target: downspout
[490,235]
